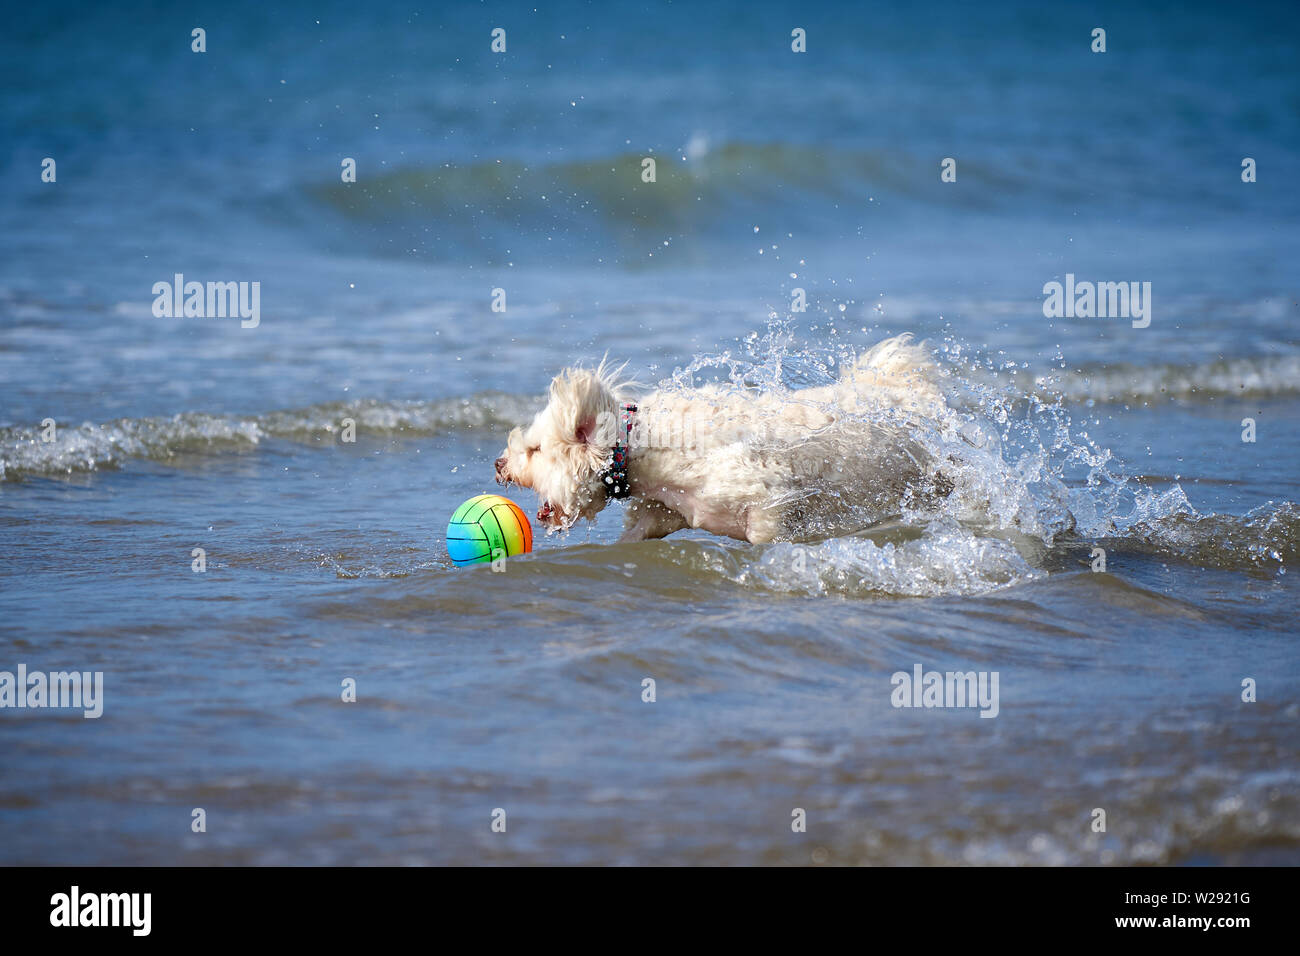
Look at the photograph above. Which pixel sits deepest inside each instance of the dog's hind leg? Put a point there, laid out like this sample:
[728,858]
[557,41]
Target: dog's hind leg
[651,519]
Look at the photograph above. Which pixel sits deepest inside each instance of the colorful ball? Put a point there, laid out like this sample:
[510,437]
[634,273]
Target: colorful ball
[487,527]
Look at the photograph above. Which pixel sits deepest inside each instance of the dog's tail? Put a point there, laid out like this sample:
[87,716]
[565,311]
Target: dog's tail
[897,373]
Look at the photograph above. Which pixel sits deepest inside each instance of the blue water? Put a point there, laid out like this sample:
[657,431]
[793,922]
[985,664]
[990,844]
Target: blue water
[521,171]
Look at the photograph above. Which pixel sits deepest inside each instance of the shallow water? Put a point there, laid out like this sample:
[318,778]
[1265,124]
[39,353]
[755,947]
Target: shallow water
[523,690]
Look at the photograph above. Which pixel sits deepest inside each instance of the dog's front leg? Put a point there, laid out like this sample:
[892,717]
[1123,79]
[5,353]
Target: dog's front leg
[651,519]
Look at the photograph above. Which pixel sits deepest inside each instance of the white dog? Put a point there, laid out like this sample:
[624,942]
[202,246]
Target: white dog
[754,465]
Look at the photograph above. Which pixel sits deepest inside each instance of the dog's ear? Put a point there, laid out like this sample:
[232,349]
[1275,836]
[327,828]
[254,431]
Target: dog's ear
[582,400]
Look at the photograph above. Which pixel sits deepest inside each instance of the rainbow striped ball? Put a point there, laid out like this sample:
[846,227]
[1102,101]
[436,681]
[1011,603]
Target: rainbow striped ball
[487,527]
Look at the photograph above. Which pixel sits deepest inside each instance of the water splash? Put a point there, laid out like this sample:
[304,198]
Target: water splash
[946,559]
[1023,479]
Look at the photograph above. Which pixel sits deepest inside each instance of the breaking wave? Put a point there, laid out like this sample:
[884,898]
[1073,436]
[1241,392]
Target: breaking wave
[90,447]
[599,205]
[1226,378]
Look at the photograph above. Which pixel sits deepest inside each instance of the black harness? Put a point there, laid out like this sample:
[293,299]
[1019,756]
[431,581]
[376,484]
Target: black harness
[614,477]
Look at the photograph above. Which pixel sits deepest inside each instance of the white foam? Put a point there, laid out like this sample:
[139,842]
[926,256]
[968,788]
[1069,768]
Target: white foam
[945,560]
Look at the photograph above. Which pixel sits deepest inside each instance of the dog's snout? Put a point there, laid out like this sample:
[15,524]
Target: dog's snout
[501,469]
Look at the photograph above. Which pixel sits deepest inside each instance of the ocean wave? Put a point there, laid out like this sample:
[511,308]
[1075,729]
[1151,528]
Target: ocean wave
[1265,539]
[90,447]
[1225,378]
[487,207]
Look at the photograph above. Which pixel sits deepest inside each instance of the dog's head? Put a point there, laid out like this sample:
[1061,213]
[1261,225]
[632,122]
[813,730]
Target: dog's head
[563,452]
